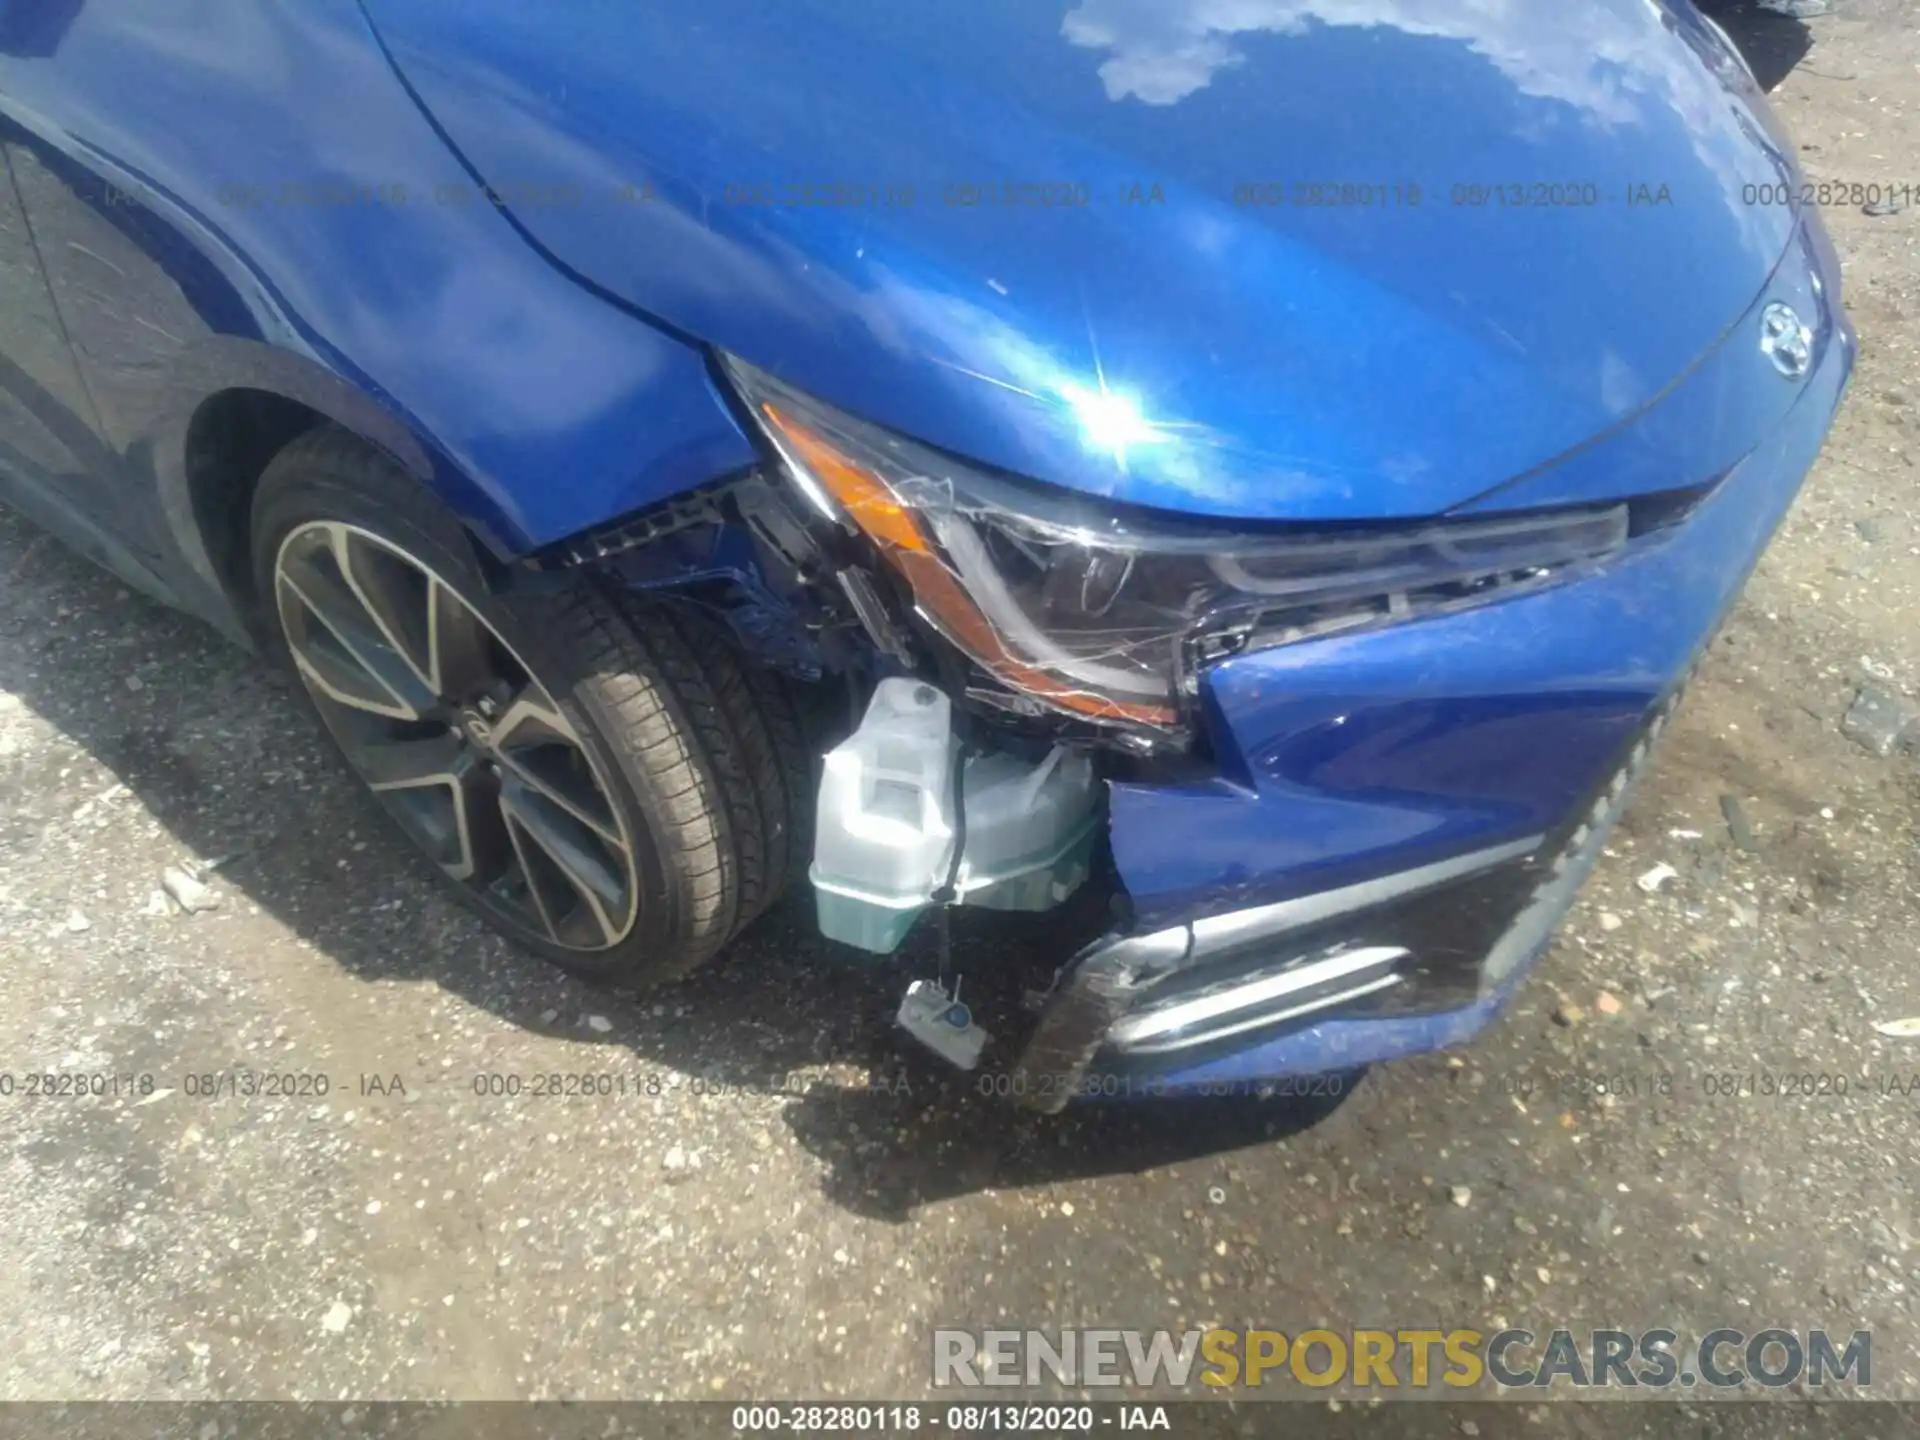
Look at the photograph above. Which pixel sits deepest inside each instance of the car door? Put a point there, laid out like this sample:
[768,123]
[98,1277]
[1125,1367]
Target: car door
[63,461]
[50,450]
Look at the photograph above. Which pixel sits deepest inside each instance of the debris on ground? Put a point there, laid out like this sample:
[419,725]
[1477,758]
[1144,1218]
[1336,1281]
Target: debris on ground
[187,892]
[1738,826]
[1653,879]
[1877,720]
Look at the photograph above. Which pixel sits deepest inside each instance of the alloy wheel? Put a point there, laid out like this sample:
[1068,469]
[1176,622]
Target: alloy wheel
[456,736]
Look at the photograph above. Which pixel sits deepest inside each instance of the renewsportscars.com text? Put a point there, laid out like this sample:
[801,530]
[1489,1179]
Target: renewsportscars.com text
[1411,1359]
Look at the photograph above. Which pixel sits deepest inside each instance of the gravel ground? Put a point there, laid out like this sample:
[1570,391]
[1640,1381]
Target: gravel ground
[791,1202]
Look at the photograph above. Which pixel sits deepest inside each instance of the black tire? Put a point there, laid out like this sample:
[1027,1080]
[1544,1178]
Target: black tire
[700,756]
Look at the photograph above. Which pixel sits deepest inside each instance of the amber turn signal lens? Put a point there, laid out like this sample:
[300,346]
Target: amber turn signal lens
[871,504]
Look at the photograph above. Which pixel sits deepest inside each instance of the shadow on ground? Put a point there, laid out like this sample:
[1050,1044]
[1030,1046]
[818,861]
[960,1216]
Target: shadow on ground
[223,752]
[1772,43]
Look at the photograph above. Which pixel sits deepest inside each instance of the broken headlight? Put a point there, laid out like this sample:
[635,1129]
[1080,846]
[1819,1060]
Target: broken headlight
[1105,612]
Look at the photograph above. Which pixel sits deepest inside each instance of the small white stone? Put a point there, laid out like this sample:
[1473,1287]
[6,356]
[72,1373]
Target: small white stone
[1656,877]
[76,922]
[373,1207]
[599,1024]
[1609,921]
[187,892]
[1461,1195]
[676,1158]
[1066,1207]
[336,1318]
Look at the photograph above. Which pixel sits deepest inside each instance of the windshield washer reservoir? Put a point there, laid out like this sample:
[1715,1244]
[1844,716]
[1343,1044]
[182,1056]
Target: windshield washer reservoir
[887,820]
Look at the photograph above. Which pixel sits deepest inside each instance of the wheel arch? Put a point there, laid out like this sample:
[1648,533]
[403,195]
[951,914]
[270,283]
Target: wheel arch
[249,404]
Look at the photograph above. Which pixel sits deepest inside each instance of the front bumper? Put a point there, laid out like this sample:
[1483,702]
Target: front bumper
[1372,971]
[1402,817]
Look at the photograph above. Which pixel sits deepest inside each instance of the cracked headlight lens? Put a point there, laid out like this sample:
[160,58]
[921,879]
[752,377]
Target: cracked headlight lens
[1108,612]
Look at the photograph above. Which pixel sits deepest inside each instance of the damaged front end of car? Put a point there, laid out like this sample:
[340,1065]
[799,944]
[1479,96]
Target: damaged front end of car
[1006,654]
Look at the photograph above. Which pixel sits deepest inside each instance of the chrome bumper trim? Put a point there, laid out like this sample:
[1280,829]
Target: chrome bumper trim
[1101,986]
[1226,932]
[1297,991]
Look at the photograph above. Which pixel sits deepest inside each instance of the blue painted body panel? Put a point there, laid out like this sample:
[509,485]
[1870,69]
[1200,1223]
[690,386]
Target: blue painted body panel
[1446,735]
[1366,753]
[235,190]
[801,184]
[961,220]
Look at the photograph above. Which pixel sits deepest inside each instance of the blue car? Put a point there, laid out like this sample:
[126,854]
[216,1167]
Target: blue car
[1240,486]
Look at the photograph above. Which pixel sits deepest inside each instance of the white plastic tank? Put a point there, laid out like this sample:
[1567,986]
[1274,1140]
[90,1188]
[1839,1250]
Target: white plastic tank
[1029,830]
[886,823]
[883,836]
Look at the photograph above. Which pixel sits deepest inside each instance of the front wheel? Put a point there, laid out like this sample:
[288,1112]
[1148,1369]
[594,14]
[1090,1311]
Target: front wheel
[605,782]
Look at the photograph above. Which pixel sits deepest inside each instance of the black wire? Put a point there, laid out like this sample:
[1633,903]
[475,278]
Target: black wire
[947,893]
[947,896]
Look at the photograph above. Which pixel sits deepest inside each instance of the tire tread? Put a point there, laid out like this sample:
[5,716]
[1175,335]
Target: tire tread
[714,743]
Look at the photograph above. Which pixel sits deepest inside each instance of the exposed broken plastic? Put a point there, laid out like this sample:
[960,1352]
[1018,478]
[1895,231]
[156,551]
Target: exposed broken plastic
[887,822]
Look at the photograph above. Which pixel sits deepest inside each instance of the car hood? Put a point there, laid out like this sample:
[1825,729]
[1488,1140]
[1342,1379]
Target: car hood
[1282,259]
